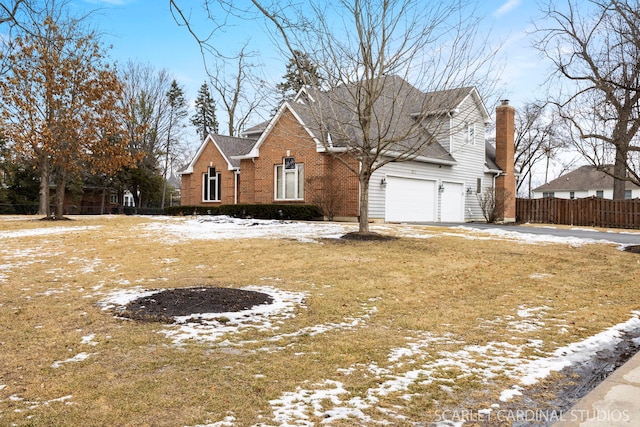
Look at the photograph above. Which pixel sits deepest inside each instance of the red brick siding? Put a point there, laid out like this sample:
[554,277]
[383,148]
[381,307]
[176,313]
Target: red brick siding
[506,182]
[191,187]
[327,180]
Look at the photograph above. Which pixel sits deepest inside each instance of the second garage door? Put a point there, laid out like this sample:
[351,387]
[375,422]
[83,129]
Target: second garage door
[410,200]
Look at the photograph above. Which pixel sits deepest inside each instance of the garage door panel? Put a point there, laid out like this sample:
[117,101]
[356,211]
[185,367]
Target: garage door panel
[410,200]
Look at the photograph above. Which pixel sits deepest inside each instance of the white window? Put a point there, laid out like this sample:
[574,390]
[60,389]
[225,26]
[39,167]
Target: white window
[289,180]
[471,133]
[211,186]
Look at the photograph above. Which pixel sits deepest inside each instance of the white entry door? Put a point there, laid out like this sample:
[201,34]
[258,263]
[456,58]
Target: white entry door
[452,208]
[410,200]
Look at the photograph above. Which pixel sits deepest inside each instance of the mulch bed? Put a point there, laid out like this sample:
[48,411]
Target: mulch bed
[633,249]
[165,305]
[367,237]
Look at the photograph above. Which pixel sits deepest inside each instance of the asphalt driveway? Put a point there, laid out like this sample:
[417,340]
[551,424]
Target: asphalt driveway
[623,237]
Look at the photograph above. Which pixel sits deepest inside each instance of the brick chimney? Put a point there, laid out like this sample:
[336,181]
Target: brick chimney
[505,146]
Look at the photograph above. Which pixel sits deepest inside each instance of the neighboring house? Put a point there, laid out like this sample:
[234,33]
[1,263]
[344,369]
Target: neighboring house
[293,159]
[586,181]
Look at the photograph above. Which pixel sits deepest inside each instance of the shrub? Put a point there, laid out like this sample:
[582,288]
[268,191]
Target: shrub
[262,211]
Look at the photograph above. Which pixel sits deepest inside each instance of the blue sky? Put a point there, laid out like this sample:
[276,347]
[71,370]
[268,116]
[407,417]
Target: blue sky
[145,31]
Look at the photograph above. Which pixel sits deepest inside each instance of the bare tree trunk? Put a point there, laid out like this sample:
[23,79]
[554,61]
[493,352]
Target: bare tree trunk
[43,208]
[103,200]
[619,171]
[61,183]
[363,218]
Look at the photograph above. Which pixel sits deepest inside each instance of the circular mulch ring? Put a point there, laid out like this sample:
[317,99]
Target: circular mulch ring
[633,249]
[367,237]
[165,305]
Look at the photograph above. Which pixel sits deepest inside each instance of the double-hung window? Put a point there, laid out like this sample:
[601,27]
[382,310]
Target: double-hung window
[211,186]
[289,180]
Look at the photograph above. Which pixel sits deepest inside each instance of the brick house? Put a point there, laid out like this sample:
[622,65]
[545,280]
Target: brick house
[294,159]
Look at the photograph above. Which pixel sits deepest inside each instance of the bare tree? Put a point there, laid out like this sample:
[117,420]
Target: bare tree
[239,89]
[537,140]
[145,99]
[360,47]
[9,11]
[594,47]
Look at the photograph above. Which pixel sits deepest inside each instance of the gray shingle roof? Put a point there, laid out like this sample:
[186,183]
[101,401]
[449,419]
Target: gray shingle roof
[233,146]
[584,178]
[396,111]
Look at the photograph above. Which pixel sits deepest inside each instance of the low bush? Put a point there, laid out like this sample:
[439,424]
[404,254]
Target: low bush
[295,212]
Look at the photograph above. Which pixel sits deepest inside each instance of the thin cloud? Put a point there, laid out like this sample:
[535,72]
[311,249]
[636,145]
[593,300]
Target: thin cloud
[507,7]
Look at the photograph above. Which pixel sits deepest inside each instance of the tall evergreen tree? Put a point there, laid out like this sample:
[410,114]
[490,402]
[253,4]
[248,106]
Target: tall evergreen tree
[205,117]
[301,72]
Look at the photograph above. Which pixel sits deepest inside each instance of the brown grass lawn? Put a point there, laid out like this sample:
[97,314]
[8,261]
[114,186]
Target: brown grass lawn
[394,331]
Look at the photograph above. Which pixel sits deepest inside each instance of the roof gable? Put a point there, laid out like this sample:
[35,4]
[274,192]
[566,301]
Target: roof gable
[584,178]
[229,147]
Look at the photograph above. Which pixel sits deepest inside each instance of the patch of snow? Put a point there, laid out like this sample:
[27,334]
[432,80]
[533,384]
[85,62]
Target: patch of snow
[229,421]
[77,358]
[89,340]
[122,297]
[540,275]
[225,227]
[575,353]
[528,238]
[509,394]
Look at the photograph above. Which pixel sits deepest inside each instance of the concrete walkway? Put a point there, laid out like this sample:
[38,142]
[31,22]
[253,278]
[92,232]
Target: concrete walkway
[614,402]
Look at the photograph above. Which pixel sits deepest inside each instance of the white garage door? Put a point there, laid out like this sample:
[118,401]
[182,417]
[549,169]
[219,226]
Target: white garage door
[410,200]
[452,209]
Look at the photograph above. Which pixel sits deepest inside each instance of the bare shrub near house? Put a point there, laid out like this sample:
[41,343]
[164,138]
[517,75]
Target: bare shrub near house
[493,205]
[321,194]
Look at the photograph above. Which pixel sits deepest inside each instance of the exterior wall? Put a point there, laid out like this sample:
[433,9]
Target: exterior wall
[470,157]
[430,171]
[328,183]
[191,187]
[247,182]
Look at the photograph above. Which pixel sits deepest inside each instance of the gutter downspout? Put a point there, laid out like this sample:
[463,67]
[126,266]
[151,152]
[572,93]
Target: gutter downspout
[236,173]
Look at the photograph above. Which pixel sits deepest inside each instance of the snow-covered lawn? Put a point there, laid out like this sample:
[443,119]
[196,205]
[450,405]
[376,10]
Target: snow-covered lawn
[424,359]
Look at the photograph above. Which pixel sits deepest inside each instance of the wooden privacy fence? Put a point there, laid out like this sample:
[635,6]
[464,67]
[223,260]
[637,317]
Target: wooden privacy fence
[591,211]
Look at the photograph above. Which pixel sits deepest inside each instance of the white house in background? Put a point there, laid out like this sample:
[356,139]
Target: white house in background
[586,181]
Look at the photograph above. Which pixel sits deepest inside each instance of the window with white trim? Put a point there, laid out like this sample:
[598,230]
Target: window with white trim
[471,133]
[289,181]
[211,185]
